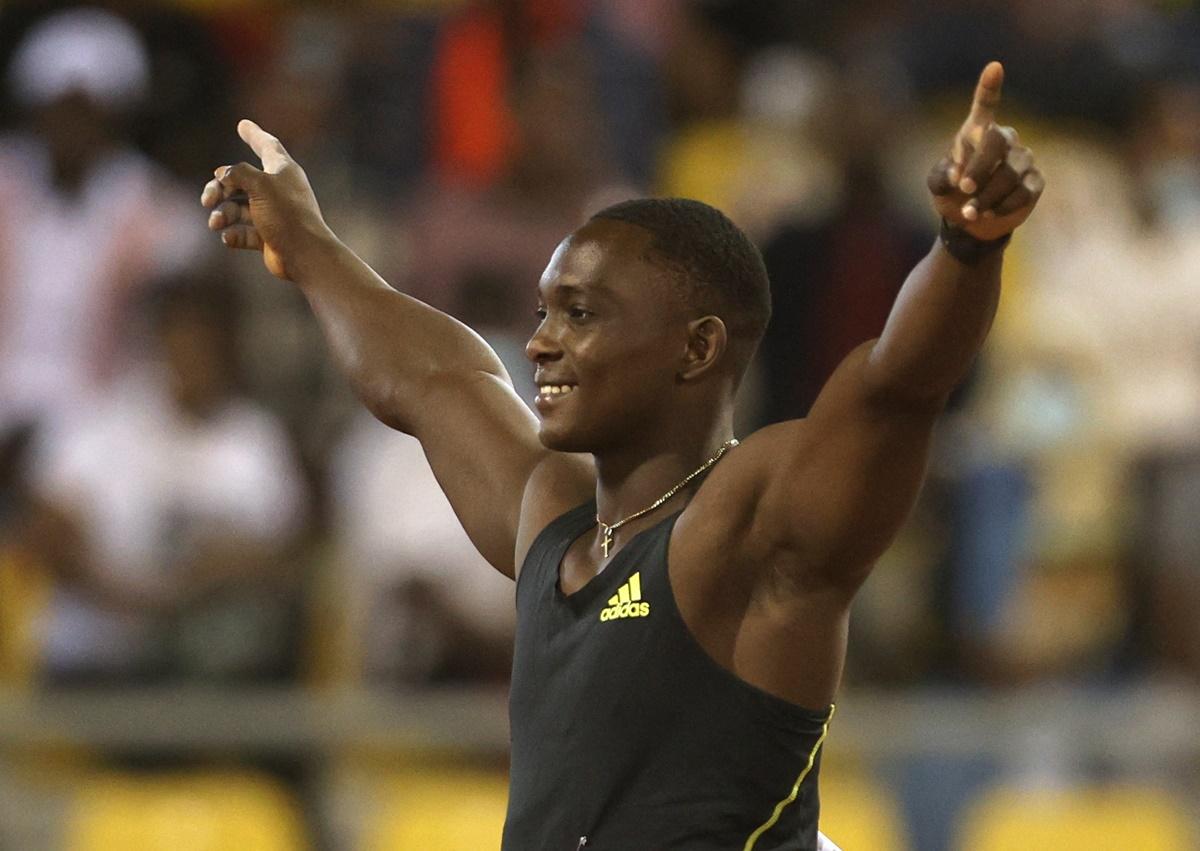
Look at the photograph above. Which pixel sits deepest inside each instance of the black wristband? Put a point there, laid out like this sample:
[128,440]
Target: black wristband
[965,248]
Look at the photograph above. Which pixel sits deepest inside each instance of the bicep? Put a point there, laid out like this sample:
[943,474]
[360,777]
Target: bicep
[852,473]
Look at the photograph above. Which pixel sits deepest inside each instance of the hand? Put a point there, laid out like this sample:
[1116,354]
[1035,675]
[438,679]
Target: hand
[987,185]
[272,210]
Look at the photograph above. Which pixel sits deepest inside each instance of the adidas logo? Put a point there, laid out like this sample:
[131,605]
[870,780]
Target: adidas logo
[627,602]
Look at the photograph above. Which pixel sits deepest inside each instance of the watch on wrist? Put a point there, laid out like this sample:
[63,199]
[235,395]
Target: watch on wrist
[965,248]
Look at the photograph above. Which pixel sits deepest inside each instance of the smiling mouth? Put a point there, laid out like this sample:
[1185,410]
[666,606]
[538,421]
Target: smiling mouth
[546,392]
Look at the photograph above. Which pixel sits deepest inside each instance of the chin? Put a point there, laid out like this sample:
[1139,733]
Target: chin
[563,438]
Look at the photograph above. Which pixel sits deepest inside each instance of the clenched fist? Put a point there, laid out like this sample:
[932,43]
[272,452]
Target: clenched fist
[987,184]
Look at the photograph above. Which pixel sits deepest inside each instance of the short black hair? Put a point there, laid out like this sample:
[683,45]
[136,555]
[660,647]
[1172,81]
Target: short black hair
[720,269]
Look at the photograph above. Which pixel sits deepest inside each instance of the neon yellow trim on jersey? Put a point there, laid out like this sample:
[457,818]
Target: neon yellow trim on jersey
[812,758]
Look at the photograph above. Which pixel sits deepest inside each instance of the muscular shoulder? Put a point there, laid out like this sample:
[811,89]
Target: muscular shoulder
[726,545]
[559,482]
[724,511]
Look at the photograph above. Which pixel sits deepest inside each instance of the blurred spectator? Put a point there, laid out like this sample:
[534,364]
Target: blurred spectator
[1167,551]
[96,221]
[166,515]
[423,605]
[387,87]
[558,170]
[1039,461]
[1161,372]
[704,67]
[186,113]
[751,112]
[839,254]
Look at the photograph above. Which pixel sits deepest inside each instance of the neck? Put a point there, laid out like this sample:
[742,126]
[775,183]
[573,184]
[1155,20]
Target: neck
[633,476]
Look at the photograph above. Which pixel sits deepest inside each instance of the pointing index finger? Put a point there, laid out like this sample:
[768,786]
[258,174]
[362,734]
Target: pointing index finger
[269,149]
[987,94]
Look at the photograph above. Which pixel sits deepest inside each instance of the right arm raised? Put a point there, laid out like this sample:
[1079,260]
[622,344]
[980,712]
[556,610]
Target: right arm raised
[417,369]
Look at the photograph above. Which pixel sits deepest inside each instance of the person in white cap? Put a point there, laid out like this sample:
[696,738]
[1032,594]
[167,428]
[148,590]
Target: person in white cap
[67,270]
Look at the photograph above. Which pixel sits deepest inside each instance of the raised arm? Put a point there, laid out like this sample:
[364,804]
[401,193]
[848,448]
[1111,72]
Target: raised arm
[983,189]
[417,369]
[856,464]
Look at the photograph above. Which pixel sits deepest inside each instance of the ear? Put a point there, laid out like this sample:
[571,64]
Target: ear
[707,340]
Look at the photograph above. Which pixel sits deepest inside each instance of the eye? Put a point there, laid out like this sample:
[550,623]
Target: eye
[577,312]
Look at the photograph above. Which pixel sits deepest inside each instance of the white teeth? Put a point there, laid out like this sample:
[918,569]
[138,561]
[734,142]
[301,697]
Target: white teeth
[556,389]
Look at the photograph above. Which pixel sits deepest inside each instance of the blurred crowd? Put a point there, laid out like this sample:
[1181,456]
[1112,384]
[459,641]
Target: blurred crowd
[188,492]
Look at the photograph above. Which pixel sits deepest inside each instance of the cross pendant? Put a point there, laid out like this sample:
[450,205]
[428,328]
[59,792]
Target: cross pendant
[606,542]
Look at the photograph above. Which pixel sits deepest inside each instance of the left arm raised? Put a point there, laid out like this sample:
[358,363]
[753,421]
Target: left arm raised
[855,465]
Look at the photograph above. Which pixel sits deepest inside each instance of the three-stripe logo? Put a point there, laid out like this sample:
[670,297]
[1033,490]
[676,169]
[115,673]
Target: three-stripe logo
[627,602]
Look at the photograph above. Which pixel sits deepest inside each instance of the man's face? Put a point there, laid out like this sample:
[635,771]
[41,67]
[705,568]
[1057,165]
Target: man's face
[74,128]
[611,339]
[196,363]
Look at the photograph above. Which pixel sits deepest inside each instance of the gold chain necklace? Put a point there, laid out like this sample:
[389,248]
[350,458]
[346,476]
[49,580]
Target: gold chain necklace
[608,531]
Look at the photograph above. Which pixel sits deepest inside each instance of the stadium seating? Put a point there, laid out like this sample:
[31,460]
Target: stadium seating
[24,590]
[857,813]
[1126,818]
[450,809]
[183,812]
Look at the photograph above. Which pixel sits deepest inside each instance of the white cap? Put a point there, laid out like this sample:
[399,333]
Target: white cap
[85,50]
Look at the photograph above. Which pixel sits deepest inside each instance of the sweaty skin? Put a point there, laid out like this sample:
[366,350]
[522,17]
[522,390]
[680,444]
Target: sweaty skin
[638,392]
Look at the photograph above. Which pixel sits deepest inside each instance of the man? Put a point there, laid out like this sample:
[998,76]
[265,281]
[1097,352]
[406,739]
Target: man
[166,514]
[655,707]
[70,272]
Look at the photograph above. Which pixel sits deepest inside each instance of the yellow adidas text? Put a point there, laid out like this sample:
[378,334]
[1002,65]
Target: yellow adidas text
[625,610]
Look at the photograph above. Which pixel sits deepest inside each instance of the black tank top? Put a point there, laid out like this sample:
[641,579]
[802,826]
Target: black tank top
[627,736]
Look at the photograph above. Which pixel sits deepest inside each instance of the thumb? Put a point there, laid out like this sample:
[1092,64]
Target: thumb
[268,148]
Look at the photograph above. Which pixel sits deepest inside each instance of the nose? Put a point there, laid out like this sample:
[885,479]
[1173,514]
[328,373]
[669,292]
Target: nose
[543,346]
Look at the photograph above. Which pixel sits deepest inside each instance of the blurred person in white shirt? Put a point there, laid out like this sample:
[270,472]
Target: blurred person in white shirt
[167,516]
[97,219]
[421,607]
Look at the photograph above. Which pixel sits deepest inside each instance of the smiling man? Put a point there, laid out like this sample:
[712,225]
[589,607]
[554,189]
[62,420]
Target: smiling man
[682,598]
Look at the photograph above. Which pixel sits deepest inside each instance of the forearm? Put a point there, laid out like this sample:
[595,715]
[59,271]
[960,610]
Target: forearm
[389,345]
[936,328]
[983,189]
